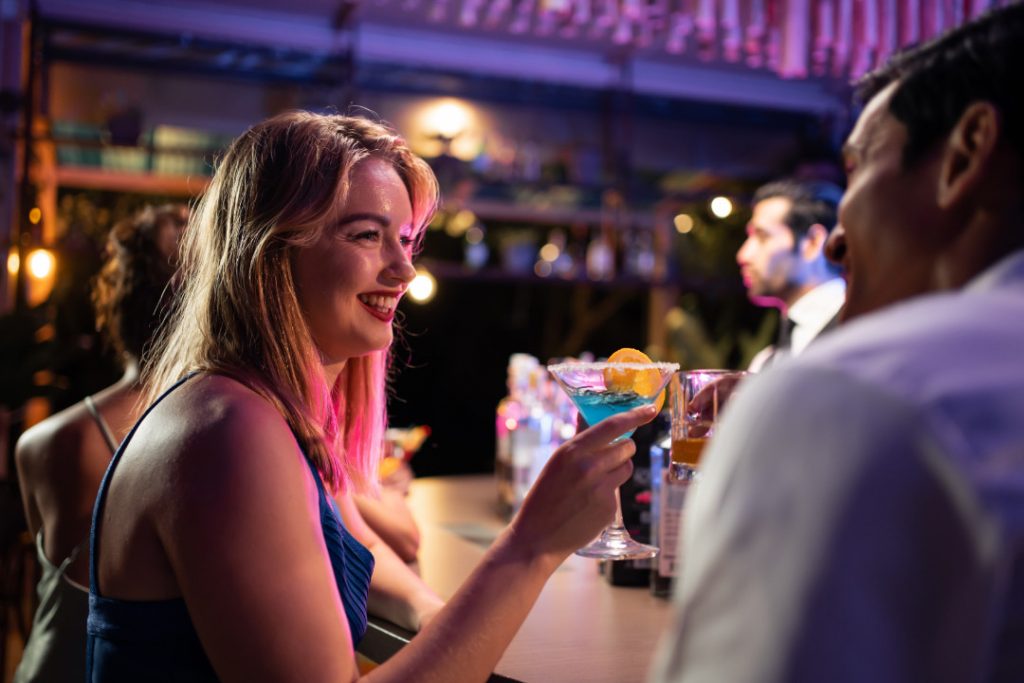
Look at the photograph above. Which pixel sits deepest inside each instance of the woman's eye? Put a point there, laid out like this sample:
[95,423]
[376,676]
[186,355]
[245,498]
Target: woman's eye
[367,235]
[407,241]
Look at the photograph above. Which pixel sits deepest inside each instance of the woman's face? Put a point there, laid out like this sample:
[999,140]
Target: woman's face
[168,234]
[350,280]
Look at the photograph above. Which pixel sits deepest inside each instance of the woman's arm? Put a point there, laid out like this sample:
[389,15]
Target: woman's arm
[239,522]
[240,525]
[397,593]
[391,519]
[571,501]
[25,452]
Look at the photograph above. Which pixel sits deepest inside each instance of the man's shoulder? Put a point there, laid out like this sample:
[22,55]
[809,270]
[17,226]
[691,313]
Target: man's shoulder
[918,342]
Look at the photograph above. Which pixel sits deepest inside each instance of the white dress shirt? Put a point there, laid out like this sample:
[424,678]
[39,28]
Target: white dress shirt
[860,516]
[809,315]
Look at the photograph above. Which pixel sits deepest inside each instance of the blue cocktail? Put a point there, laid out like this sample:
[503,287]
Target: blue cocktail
[596,405]
[599,391]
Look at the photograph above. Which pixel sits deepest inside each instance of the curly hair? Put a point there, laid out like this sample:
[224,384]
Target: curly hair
[130,295]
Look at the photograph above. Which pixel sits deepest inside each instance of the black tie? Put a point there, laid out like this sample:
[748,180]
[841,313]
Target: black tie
[786,325]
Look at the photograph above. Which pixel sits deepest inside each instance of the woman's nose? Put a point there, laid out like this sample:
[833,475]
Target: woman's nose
[401,267]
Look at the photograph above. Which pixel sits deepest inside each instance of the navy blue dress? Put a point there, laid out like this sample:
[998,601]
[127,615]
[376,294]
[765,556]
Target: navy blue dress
[131,641]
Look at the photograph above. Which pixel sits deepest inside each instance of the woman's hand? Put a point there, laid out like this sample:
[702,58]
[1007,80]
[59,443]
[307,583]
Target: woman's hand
[574,497]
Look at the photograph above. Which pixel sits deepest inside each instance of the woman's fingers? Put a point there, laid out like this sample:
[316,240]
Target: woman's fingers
[609,429]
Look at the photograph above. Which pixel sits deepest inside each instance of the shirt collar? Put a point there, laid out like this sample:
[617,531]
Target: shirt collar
[818,306]
[1008,269]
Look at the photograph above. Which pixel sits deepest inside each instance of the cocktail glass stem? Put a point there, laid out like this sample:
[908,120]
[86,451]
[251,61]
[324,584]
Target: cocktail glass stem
[615,534]
[615,543]
[617,527]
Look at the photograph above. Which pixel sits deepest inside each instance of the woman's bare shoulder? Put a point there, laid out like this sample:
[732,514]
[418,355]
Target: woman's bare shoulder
[210,446]
[213,416]
[60,436]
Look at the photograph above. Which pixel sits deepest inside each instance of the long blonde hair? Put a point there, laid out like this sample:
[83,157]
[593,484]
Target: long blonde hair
[238,314]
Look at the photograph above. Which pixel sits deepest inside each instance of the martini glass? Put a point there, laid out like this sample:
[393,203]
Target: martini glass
[599,391]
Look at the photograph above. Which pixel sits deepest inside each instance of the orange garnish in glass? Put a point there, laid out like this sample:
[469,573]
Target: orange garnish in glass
[641,382]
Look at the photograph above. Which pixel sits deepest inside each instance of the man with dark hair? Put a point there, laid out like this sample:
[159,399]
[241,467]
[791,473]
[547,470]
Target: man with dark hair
[861,513]
[783,262]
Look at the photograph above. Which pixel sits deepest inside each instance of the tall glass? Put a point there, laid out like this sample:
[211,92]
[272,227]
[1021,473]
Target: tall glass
[600,390]
[698,396]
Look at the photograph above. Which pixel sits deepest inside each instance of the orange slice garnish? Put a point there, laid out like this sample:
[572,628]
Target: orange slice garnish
[641,382]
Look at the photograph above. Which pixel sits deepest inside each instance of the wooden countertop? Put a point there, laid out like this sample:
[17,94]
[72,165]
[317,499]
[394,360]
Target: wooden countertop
[581,628]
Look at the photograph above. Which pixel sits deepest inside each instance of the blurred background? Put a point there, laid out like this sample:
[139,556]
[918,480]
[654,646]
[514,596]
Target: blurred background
[597,159]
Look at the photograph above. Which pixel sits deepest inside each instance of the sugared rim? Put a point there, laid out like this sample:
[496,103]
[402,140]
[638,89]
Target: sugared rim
[585,367]
[715,371]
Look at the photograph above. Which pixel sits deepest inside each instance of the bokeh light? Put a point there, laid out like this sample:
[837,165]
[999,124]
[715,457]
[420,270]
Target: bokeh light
[721,207]
[683,223]
[423,286]
[41,263]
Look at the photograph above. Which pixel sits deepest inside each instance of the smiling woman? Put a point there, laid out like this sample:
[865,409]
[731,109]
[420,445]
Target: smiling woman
[216,541]
[350,280]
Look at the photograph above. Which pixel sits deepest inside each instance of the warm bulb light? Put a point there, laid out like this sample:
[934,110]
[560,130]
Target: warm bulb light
[448,119]
[13,263]
[41,263]
[460,223]
[675,318]
[423,287]
[721,207]
[683,223]
[550,252]
[35,215]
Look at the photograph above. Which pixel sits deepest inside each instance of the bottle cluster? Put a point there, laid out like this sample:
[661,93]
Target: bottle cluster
[534,419]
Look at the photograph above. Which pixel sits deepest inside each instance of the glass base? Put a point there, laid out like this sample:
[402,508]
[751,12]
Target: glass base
[616,544]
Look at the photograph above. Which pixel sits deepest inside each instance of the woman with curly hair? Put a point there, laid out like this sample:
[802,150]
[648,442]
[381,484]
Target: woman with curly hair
[61,460]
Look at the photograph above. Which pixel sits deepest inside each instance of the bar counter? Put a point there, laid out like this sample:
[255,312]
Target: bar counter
[580,629]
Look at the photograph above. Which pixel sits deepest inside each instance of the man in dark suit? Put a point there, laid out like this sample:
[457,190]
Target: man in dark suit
[783,262]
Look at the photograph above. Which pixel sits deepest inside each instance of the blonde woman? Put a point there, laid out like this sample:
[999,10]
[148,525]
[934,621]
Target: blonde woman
[217,552]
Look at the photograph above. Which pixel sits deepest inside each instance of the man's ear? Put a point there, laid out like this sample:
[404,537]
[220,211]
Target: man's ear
[968,153]
[812,244]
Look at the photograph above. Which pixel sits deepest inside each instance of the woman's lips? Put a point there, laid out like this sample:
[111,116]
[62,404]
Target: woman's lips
[386,316]
[380,306]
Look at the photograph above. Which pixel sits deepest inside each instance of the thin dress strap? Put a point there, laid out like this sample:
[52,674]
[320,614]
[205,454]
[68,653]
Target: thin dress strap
[101,495]
[108,436]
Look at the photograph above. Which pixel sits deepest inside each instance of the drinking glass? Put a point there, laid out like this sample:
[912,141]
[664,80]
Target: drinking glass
[697,396]
[600,390]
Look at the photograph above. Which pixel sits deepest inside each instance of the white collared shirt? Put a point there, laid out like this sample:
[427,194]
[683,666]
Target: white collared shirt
[860,515]
[810,314]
